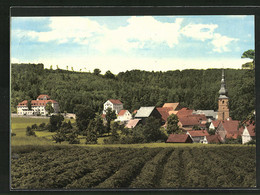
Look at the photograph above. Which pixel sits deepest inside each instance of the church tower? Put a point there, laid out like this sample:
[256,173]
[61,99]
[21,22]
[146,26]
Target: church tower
[223,111]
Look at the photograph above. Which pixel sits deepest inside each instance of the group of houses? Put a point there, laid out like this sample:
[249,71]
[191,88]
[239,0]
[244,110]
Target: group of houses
[38,106]
[195,124]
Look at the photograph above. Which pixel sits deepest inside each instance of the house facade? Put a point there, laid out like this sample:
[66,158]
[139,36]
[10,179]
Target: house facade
[124,116]
[38,106]
[114,104]
[248,133]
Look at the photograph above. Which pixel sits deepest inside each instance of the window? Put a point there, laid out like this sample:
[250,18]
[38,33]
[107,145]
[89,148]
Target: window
[223,102]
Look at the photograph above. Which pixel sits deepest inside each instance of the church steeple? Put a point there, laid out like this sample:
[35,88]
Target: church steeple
[223,110]
[223,91]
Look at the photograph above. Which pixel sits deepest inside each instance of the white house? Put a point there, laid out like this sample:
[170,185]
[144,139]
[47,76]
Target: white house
[123,116]
[116,105]
[37,106]
[198,136]
[248,133]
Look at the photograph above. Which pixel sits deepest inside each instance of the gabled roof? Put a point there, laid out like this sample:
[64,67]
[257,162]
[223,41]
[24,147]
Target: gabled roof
[173,106]
[188,121]
[231,127]
[42,96]
[178,138]
[198,133]
[132,123]
[215,123]
[122,112]
[200,117]
[113,101]
[250,129]
[145,111]
[164,112]
[184,112]
[213,138]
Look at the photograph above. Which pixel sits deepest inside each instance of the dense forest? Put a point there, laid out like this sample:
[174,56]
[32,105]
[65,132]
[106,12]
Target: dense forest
[196,89]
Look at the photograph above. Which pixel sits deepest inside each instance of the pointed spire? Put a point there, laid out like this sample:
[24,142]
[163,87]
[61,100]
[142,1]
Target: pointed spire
[223,90]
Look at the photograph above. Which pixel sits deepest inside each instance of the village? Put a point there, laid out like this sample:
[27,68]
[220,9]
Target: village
[197,126]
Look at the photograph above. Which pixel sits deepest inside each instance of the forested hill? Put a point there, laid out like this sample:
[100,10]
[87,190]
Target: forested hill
[196,89]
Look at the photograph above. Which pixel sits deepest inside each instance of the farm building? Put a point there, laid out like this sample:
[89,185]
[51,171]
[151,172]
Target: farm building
[164,111]
[132,123]
[115,105]
[38,106]
[211,139]
[144,112]
[198,135]
[179,138]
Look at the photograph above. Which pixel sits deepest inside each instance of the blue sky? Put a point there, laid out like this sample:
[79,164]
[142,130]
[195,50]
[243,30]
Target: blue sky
[120,43]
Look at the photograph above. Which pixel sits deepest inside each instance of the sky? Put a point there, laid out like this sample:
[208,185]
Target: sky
[120,43]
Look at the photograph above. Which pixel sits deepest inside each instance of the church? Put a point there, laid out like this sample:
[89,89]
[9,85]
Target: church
[226,128]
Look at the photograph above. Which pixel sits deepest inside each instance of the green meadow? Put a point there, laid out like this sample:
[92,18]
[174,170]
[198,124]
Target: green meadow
[18,126]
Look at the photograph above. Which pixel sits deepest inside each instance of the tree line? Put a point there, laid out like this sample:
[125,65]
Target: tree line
[196,89]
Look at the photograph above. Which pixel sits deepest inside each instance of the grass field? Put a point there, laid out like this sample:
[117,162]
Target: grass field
[18,126]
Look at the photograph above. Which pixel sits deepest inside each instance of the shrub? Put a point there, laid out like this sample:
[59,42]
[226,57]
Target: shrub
[29,131]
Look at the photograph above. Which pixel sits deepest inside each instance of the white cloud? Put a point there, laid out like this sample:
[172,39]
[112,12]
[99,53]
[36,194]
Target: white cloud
[200,32]
[220,42]
[140,32]
[64,29]
[205,32]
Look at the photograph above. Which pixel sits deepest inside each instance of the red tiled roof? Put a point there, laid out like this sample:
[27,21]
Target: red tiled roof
[216,123]
[213,138]
[198,133]
[201,117]
[184,112]
[178,138]
[231,127]
[172,106]
[188,121]
[113,101]
[132,123]
[36,102]
[121,113]
[164,112]
[42,96]
[173,112]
